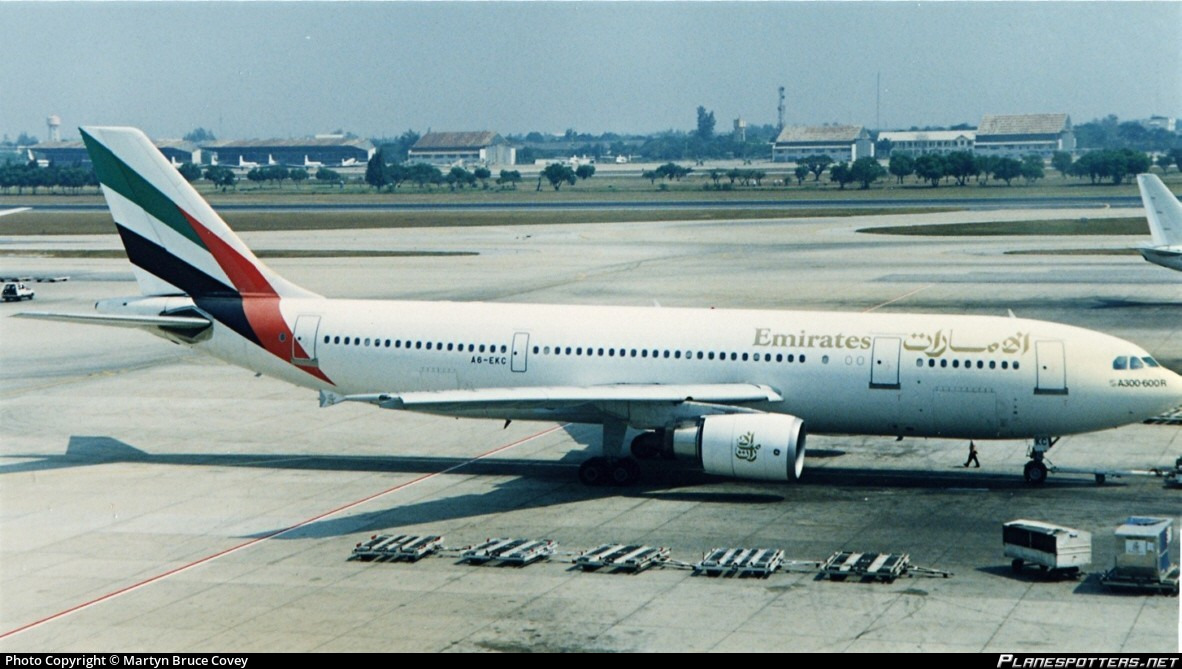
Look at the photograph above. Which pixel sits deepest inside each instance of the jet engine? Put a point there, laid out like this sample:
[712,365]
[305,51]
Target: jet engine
[768,447]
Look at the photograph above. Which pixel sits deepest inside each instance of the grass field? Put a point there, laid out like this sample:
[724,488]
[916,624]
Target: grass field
[98,223]
[627,188]
[1055,227]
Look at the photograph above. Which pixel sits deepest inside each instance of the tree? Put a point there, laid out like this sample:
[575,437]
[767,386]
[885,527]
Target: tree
[190,172]
[1032,168]
[1061,161]
[199,135]
[841,175]
[930,167]
[961,165]
[705,124]
[585,171]
[482,173]
[256,175]
[298,174]
[460,176]
[866,170]
[902,165]
[222,177]
[325,175]
[817,165]
[557,174]
[375,170]
[651,175]
[423,174]
[1007,169]
[511,177]
[801,172]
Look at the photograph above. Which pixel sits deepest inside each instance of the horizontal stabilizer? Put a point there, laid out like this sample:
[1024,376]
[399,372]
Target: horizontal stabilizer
[719,393]
[174,322]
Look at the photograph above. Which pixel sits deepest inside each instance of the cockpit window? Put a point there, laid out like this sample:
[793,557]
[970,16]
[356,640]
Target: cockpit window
[1120,363]
[1150,362]
[1135,363]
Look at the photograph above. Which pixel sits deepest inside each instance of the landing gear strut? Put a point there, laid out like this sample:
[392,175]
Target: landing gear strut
[647,445]
[612,467]
[1035,471]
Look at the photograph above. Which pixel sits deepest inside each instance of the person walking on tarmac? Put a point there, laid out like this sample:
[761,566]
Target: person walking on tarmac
[973,456]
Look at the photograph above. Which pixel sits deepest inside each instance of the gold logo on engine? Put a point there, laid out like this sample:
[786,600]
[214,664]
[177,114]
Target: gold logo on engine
[746,448]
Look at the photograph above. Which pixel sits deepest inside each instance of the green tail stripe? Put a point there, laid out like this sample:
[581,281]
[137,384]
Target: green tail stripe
[118,176]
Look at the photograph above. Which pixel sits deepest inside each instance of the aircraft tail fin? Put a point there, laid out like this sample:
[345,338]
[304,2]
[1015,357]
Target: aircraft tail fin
[174,239]
[1163,210]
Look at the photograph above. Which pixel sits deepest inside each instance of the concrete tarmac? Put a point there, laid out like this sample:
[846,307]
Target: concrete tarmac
[153,499]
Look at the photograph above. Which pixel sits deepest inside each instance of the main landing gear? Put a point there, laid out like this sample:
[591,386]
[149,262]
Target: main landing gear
[613,467]
[1035,471]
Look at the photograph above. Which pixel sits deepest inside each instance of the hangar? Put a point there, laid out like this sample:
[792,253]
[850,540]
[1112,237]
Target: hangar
[330,150]
[450,148]
[1024,134]
[839,142]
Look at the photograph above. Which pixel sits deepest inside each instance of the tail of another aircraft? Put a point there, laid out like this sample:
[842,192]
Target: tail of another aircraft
[1163,210]
[176,242]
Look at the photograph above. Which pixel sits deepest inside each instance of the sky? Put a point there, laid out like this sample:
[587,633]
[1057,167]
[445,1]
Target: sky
[293,69]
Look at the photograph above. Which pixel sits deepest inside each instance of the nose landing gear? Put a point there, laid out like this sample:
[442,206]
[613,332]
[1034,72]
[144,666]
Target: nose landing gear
[1035,471]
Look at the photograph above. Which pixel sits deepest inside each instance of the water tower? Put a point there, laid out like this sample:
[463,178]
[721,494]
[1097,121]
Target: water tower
[55,124]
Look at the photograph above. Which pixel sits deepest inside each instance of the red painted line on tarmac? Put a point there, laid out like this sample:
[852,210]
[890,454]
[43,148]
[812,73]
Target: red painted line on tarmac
[247,544]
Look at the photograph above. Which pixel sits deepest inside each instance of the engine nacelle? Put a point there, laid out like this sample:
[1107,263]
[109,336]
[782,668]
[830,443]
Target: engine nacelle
[768,447]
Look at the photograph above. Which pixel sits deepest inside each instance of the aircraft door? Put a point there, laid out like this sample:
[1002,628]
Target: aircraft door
[520,353]
[303,343]
[1052,368]
[884,363]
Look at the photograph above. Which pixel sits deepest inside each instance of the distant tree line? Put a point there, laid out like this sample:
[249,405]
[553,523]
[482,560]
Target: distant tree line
[54,178]
[1111,133]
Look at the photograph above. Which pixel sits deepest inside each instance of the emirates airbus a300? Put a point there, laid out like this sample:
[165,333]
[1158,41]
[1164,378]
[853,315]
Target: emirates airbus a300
[734,390]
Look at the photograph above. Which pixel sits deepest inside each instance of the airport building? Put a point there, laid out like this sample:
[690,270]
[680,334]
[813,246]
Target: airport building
[327,150]
[839,142]
[70,153]
[453,148]
[1023,134]
[919,142]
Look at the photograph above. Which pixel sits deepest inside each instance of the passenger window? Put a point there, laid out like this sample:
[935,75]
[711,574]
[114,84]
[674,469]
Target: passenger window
[1015,364]
[644,353]
[710,355]
[744,357]
[326,339]
[791,358]
[336,340]
[955,364]
[980,364]
[545,350]
[428,346]
[1005,364]
[1135,363]
[801,358]
[919,362]
[992,364]
[943,363]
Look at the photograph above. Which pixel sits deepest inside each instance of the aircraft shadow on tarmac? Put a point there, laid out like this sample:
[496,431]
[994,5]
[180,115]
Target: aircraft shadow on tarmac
[534,483]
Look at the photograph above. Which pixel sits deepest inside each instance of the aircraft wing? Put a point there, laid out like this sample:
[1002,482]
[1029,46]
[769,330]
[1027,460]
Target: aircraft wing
[174,322]
[658,402]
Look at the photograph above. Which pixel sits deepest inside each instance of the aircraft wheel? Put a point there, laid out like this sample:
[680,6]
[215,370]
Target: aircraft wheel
[1035,473]
[1016,565]
[646,446]
[624,472]
[593,472]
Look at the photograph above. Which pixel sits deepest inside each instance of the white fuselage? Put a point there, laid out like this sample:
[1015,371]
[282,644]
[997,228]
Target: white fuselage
[884,374]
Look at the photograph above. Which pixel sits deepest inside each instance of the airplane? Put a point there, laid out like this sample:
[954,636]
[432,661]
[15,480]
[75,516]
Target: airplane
[348,162]
[243,162]
[1165,223]
[735,391]
[312,163]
